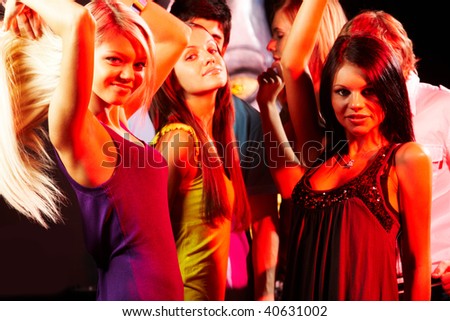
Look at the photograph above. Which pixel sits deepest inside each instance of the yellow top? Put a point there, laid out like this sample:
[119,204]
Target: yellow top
[202,249]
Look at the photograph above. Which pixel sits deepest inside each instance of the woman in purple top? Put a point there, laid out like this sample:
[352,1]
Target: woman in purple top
[90,68]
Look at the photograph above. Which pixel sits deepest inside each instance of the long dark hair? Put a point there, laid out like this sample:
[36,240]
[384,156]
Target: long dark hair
[169,106]
[385,75]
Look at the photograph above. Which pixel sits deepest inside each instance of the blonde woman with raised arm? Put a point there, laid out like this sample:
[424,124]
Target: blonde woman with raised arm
[84,68]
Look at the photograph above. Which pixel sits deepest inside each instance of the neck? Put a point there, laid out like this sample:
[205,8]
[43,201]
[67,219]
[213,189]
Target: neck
[114,117]
[358,153]
[365,144]
[203,107]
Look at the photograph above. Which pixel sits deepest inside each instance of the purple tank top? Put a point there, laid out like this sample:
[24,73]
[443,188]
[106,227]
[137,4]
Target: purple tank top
[127,226]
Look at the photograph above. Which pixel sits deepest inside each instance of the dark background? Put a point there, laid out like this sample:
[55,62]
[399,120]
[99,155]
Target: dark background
[53,264]
[428,26]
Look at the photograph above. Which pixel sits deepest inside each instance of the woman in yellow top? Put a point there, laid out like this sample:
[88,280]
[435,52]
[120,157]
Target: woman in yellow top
[193,117]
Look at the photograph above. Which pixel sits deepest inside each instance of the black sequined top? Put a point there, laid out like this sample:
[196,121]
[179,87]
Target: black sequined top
[343,240]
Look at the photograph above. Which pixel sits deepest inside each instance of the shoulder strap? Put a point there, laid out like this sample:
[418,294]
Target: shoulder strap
[389,161]
[177,126]
[174,126]
[390,157]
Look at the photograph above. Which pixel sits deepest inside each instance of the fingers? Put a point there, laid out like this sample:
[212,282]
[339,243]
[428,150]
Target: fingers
[270,85]
[443,272]
[269,76]
[276,66]
[29,24]
[22,21]
[443,267]
[445,280]
[14,26]
[36,24]
[12,9]
[24,26]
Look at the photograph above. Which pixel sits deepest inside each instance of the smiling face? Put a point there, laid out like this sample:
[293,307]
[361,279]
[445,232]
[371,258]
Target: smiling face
[355,104]
[201,68]
[119,69]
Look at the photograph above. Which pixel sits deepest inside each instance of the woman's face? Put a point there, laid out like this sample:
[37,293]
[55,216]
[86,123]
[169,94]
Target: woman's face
[119,69]
[355,104]
[201,68]
[281,27]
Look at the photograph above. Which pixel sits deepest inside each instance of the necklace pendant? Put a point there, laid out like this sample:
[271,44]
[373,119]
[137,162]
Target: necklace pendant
[350,163]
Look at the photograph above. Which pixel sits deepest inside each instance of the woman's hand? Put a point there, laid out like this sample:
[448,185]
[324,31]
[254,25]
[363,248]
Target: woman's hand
[21,20]
[443,272]
[12,10]
[270,85]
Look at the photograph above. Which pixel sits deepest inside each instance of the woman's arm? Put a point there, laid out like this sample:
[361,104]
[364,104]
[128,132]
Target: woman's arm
[68,115]
[282,161]
[413,168]
[171,36]
[178,148]
[300,94]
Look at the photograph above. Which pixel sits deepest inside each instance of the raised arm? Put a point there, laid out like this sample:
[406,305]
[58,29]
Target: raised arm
[301,97]
[282,161]
[74,24]
[414,183]
[171,36]
[68,108]
[35,85]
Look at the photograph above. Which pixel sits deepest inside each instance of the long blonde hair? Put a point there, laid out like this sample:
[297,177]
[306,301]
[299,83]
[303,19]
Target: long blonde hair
[333,20]
[28,77]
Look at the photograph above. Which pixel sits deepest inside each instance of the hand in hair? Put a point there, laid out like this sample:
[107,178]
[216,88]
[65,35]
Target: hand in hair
[21,20]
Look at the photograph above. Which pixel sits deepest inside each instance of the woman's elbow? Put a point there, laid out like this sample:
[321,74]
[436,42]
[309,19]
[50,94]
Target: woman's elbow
[292,67]
[184,35]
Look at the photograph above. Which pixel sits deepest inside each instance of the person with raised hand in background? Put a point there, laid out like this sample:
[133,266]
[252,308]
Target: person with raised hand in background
[282,19]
